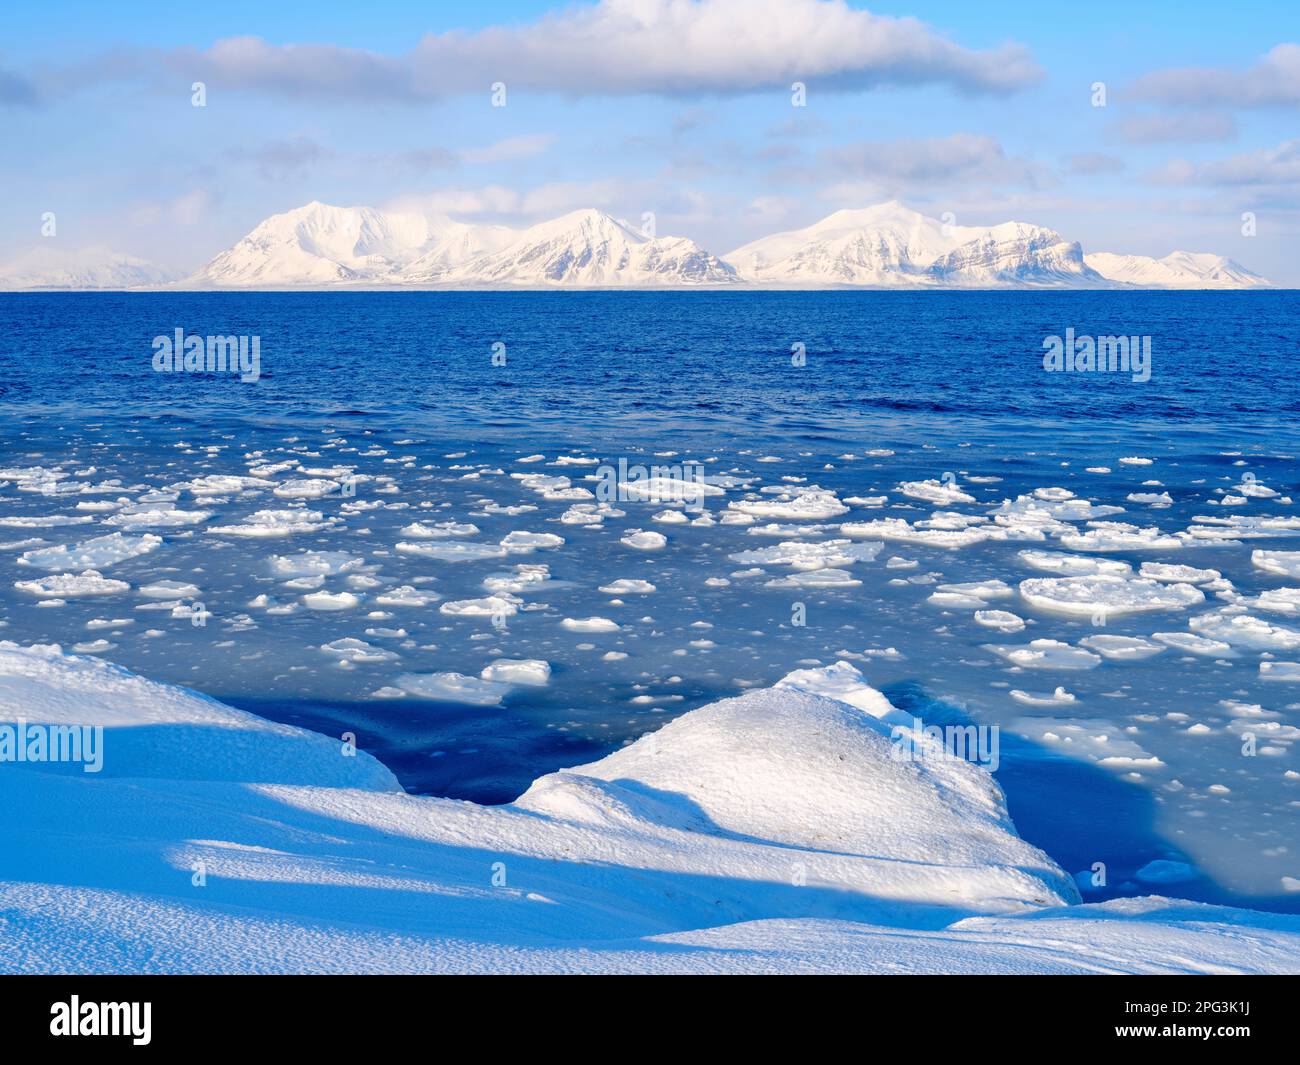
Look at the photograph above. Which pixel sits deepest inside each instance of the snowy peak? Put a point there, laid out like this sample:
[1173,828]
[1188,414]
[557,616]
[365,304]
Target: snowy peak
[321,244]
[1179,269]
[882,245]
[887,245]
[590,248]
[48,267]
[1016,253]
[890,245]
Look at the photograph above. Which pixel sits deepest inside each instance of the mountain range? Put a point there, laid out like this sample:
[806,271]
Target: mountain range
[885,246]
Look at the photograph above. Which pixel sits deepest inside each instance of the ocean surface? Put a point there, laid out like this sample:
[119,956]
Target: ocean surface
[419,407]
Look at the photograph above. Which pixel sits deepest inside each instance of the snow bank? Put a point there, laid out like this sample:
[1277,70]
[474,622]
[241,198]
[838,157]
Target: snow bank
[769,832]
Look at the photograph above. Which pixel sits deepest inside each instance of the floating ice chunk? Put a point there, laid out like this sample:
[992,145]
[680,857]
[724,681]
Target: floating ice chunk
[72,585]
[1252,489]
[1172,573]
[169,590]
[529,672]
[526,577]
[590,625]
[331,601]
[491,606]
[1245,631]
[1283,671]
[667,489]
[1135,460]
[802,555]
[933,491]
[357,651]
[969,595]
[217,484]
[644,541]
[442,530]
[817,578]
[407,595]
[1074,565]
[1086,740]
[266,524]
[1162,871]
[44,521]
[96,553]
[306,488]
[1000,620]
[1060,697]
[1152,498]
[1046,654]
[1283,563]
[988,589]
[627,586]
[1120,536]
[157,517]
[313,564]
[1122,648]
[950,519]
[453,688]
[808,504]
[1107,595]
[93,647]
[452,552]
[1034,510]
[1196,645]
[898,529]
[1276,601]
[525,543]
[1241,527]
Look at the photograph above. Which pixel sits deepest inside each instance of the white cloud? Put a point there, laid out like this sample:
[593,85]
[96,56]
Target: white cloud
[931,160]
[1183,126]
[632,46]
[511,149]
[1267,166]
[1272,82]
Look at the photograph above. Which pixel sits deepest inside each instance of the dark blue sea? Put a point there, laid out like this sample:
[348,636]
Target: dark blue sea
[443,409]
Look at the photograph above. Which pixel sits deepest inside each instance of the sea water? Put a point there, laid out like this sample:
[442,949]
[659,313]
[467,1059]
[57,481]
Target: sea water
[379,419]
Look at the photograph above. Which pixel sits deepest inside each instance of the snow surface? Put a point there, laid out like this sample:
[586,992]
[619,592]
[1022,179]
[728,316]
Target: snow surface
[770,832]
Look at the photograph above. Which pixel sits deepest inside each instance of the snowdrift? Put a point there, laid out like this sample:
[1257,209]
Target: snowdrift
[772,832]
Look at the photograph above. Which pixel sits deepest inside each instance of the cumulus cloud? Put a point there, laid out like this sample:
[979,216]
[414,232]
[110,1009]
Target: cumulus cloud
[1267,166]
[1185,126]
[1272,82]
[502,201]
[1093,163]
[280,159]
[618,47]
[932,160]
[509,150]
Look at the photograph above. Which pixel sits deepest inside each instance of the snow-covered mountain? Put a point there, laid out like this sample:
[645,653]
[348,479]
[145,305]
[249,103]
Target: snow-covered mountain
[885,246]
[891,245]
[321,245]
[88,268]
[882,245]
[590,248]
[1180,269]
[1016,253]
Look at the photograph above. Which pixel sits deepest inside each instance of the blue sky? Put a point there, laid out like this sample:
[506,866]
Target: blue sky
[677,107]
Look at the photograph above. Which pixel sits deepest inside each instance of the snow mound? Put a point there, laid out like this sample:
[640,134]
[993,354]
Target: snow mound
[770,832]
